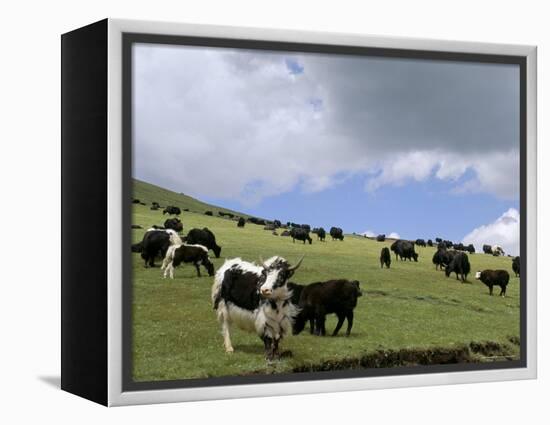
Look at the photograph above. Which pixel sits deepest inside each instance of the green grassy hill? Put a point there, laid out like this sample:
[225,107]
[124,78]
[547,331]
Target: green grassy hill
[148,193]
[410,311]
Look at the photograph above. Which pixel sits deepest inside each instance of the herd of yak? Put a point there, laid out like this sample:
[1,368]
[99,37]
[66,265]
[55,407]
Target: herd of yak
[261,298]
[454,260]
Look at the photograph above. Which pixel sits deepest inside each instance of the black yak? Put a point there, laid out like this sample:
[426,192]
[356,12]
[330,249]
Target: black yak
[300,234]
[494,278]
[318,299]
[337,233]
[171,210]
[385,257]
[515,266]
[205,238]
[174,224]
[460,265]
[404,250]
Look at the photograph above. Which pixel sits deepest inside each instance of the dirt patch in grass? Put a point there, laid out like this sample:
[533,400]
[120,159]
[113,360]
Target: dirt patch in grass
[475,352]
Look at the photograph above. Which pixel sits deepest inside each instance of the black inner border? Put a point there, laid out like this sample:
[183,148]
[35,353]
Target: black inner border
[128,39]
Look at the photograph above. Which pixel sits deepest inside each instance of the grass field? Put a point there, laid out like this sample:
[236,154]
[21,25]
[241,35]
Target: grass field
[410,306]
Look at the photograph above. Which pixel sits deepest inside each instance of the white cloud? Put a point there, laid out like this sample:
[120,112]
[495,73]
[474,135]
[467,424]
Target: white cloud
[371,234]
[504,231]
[240,124]
[494,172]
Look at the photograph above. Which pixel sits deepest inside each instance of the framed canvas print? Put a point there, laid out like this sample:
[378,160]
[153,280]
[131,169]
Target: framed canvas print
[273,212]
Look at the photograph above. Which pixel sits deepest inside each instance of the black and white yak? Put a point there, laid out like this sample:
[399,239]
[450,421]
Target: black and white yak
[497,250]
[177,254]
[255,298]
[155,243]
[494,278]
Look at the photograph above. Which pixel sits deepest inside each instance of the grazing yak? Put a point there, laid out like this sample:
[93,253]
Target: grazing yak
[337,233]
[420,242]
[300,234]
[321,234]
[135,201]
[487,249]
[171,210]
[255,298]
[438,240]
[459,247]
[136,226]
[177,254]
[155,244]
[277,223]
[255,220]
[225,214]
[460,265]
[497,250]
[430,242]
[381,238]
[404,250]
[208,213]
[494,278]
[174,224]
[385,257]
[318,299]
[515,266]
[205,238]
[241,222]
[442,258]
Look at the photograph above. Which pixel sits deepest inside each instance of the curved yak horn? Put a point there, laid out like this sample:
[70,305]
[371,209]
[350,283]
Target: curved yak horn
[295,267]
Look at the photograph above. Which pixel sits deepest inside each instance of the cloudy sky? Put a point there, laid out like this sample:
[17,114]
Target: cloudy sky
[419,148]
